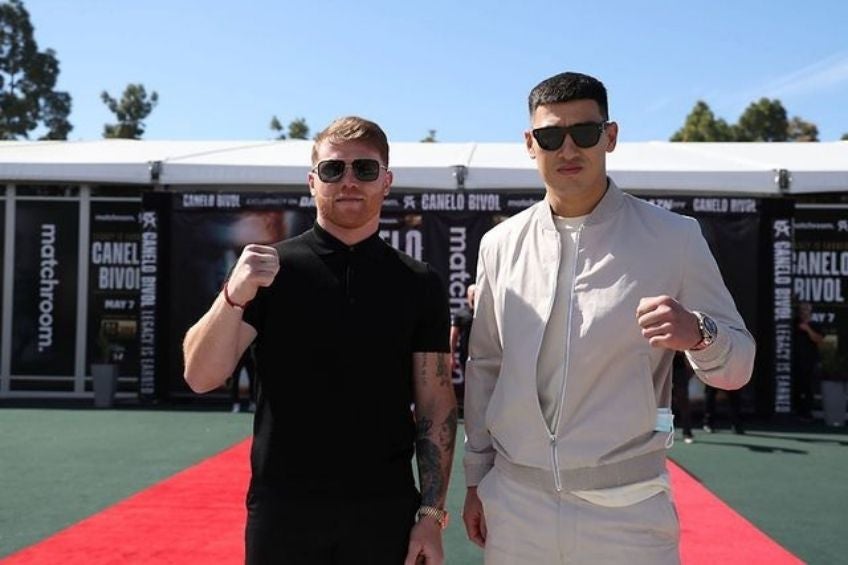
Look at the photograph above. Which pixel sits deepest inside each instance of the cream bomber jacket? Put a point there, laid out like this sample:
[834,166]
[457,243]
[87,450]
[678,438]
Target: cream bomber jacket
[615,381]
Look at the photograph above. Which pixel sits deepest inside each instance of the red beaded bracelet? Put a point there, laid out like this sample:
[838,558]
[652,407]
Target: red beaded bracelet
[229,300]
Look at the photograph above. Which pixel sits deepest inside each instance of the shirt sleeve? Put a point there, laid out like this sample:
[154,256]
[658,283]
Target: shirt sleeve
[433,329]
[255,309]
[729,361]
[481,375]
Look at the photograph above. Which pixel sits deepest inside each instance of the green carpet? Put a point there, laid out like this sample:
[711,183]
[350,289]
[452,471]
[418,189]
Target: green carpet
[59,466]
[789,481]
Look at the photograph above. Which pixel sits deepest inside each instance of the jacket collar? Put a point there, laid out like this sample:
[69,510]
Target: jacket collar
[605,209]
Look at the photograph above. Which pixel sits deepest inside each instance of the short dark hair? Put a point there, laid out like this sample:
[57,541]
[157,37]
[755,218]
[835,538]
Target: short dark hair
[353,128]
[566,87]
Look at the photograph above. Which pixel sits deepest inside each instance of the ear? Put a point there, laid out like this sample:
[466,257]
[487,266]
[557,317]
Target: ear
[387,184]
[528,142]
[310,181]
[612,136]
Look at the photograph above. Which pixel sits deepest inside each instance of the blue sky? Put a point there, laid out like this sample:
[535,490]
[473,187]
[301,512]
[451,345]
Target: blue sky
[461,67]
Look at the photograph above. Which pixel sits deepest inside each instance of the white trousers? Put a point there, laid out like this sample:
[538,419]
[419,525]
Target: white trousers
[530,526]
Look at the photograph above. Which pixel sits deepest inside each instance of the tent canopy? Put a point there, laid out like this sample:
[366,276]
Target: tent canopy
[637,166]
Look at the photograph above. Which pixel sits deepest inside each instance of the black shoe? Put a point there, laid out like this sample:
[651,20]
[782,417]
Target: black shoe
[737,429]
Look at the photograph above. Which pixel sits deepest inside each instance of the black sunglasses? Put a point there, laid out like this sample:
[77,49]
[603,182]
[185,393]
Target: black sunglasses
[332,170]
[584,136]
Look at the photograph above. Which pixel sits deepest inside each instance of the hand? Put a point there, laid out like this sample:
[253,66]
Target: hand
[475,520]
[665,323]
[257,266]
[425,543]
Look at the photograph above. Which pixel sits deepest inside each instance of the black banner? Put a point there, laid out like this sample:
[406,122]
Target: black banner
[114,282]
[45,288]
[152,307]
[206,244]
[442,228]
[821,278]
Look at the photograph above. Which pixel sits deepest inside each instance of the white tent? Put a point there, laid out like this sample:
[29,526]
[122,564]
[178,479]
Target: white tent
[751,168]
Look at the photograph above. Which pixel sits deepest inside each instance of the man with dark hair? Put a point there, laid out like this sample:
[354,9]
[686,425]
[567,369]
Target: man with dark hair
[334,436]
[582,301]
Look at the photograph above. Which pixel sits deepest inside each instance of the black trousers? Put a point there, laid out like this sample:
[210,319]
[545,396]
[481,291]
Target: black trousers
[370,531]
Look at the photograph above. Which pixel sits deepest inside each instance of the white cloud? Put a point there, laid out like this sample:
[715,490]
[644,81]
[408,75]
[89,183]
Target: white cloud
[829,72]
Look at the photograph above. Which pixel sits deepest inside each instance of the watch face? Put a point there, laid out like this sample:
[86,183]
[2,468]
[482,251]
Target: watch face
[710,326]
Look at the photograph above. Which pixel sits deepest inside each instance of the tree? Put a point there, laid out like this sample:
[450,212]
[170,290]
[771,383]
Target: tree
[845,137]
[431,136]
[130,111]
[297,129]
[27,80]
[702,125]
[764,120]
[800,130]
[277,127]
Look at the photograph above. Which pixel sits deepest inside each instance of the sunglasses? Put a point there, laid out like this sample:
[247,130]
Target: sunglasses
[584,136]
[333,170]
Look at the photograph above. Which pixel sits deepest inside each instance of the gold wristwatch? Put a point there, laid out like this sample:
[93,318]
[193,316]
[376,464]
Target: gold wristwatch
[439,515]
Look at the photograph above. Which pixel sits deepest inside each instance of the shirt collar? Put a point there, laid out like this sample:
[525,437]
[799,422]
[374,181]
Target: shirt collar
[325,244]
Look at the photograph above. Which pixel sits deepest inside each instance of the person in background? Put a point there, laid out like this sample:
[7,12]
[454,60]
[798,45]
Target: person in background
[734,412]
[334,436]
[806,360]
[461,321]
[582,301]
[681,372]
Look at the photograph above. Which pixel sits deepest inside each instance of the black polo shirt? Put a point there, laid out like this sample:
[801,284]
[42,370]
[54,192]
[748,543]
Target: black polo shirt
[336,334]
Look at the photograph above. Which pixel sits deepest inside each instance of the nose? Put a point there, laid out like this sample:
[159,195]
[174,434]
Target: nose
[348,178]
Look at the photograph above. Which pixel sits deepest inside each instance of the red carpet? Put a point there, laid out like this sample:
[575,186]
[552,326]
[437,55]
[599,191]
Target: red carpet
[197,517]
[711,532]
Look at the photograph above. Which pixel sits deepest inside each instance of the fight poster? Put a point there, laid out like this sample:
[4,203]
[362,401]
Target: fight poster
[114,284]
[821,278]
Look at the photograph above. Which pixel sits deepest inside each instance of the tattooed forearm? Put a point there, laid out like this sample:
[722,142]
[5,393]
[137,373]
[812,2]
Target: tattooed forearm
[447,435]
[442,370]
[429,464]
[421,373]
[434,451]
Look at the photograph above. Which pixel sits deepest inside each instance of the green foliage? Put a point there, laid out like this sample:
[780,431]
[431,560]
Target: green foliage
[27,80]
[702,125]
[297,129]
[801,130]
[845,136]
[130,111]
[764,120]
[277,127]
[431,136]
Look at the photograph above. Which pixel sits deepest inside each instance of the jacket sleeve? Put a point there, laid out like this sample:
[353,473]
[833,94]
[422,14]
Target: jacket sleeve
[481,375]
[729,361]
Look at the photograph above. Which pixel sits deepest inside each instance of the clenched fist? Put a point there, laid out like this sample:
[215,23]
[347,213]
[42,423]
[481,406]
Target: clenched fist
[665,323]
[257,266]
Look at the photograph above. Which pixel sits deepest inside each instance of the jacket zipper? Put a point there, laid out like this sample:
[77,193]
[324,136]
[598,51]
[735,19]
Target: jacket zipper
[555,432]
